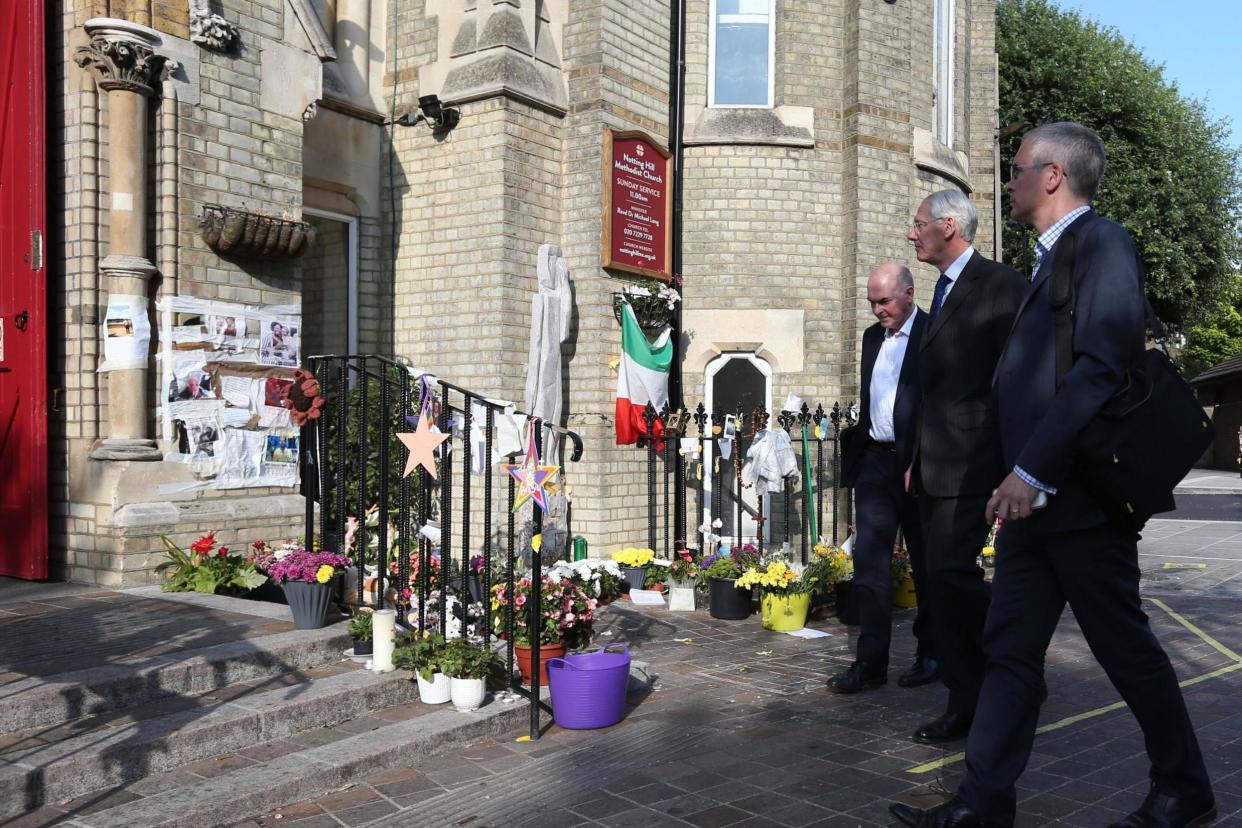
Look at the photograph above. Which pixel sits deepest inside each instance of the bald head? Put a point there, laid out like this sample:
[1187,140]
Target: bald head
[890,291]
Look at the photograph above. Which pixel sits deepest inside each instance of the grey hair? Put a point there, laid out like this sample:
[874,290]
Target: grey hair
[1079,150]
[955,205]
[906,277]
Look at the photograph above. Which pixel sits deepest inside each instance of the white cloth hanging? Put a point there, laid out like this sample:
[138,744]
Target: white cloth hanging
[551,314]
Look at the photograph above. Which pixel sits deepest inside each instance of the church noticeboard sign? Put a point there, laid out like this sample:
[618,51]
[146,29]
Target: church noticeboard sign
[638,205]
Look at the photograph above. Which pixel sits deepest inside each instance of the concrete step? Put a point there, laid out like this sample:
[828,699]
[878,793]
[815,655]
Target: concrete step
[109,755]
[241,794]
[48,701]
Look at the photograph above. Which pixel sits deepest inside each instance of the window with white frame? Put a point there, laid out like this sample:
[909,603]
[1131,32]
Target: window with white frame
[741,53]
[942,71]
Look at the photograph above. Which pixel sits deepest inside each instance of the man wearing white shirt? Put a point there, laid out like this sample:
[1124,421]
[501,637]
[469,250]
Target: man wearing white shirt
[890,394]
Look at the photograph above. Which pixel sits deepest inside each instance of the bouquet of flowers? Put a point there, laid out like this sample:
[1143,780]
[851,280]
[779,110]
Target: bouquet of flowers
[634,557]
[208,568]
[597,578]
[683,572]
[778,578]
[716,565]
[301,564]
[900,563]
[837,564]
[653,302]
[566,612]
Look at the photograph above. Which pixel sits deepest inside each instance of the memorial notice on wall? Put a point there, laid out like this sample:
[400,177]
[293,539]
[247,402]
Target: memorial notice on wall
[225,369]
[638,204]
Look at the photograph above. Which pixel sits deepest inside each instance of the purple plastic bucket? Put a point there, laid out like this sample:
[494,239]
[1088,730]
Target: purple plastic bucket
[588,689]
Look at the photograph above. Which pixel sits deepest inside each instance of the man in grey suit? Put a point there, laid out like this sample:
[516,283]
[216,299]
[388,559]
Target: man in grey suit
[957,459]
[1068,552]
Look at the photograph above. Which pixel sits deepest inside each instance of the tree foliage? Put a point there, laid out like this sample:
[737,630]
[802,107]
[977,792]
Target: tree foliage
[1219,336]
[1173,180]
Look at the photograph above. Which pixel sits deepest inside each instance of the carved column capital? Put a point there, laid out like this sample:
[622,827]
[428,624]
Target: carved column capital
[124,64]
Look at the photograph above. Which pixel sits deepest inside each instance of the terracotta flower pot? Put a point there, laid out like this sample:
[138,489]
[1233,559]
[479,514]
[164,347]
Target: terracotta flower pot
[546,651]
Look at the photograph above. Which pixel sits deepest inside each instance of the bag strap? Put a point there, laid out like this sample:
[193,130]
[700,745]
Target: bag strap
[1061,297]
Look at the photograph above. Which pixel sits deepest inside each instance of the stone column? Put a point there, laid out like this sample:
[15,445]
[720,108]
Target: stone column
[122,57]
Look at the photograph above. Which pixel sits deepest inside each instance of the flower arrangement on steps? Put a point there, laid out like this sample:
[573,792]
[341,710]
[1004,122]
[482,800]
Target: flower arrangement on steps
[467,665]
[840,575]
[307,578]
[362,630]
[208,568]
[722,569]
[903,577]
[423,653]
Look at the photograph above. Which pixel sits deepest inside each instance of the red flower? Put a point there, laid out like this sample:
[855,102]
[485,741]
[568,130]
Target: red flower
[204,544]
[224,552]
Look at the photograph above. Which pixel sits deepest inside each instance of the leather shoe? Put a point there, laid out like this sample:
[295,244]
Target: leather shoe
[924,671]
[1166,810]
[951,814]
[948,728]
[861,676]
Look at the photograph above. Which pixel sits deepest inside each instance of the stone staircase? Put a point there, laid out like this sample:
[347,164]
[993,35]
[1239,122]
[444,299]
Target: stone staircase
[115,727]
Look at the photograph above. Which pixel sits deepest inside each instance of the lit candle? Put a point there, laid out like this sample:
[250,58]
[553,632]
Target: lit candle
[384,626]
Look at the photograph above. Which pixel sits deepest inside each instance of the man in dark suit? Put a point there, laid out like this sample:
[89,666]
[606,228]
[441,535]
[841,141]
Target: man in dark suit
[957,461]
[1068,551]
[890,396]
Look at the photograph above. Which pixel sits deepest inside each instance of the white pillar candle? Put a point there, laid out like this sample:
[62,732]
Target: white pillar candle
[384,627]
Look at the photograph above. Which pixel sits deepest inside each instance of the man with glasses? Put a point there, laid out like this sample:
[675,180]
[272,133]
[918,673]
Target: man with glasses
[957,462]
[1068,552]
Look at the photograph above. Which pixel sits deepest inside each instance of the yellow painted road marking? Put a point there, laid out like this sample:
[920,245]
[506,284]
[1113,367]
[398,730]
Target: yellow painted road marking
[1100,711]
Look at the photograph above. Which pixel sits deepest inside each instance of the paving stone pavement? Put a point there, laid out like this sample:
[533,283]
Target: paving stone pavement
[739,730]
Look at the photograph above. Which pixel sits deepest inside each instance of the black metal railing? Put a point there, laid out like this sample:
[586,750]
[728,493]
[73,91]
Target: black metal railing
[353,471]
[794,515]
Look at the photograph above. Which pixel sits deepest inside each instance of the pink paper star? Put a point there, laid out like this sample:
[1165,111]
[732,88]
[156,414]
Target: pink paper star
[422,445]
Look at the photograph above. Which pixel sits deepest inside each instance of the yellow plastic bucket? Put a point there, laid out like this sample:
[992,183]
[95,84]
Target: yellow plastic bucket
[784,613]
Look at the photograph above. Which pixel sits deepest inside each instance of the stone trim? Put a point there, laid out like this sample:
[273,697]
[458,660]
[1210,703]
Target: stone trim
[942,160]
[788,126]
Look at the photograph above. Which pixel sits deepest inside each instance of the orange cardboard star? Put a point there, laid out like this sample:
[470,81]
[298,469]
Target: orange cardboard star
[422,444]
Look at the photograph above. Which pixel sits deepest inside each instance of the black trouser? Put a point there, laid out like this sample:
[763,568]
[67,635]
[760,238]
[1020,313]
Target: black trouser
[883,507]
[955,534]
[1096,571]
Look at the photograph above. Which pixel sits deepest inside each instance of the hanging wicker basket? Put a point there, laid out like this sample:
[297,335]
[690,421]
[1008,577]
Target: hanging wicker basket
[237,234]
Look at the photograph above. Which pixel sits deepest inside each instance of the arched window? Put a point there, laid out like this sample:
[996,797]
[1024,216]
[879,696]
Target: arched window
[733,379]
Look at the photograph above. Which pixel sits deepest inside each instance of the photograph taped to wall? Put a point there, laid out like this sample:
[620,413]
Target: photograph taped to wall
[281,343]
[228,332]
[202,436]
[274,389]
[127,333]
[190,380]
[280,448]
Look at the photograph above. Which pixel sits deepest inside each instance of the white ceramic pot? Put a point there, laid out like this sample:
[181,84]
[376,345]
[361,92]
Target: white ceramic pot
[468,693]
[436,691]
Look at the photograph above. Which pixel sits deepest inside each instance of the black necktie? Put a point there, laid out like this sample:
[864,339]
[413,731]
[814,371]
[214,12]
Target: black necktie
[942,287]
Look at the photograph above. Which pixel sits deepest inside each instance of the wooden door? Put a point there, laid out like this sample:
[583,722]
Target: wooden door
[23,302]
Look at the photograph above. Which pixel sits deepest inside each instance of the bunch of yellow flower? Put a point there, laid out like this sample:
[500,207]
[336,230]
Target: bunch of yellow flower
[777,578]
[837,564]
[324,574]
[632,556]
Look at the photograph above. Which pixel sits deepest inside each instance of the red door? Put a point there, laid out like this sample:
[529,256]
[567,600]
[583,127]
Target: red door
[23,326]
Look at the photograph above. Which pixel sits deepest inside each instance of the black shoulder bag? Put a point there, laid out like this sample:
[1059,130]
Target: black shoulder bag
[1148,436]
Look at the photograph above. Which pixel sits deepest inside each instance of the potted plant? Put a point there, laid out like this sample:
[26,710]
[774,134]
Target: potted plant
[656,578]
[725,601]
[564,620]
[361,630]
[467,665]
[421,652]
[634,562]
[653,302]
[903,578]
[839,568]
[307,578]
[208,568]
[683,577]
[786,593]
[599,579]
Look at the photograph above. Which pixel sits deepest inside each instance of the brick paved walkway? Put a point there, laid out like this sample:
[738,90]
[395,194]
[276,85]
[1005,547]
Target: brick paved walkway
[739,731]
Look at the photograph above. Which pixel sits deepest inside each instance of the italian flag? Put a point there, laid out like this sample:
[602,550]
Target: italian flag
[642,378]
